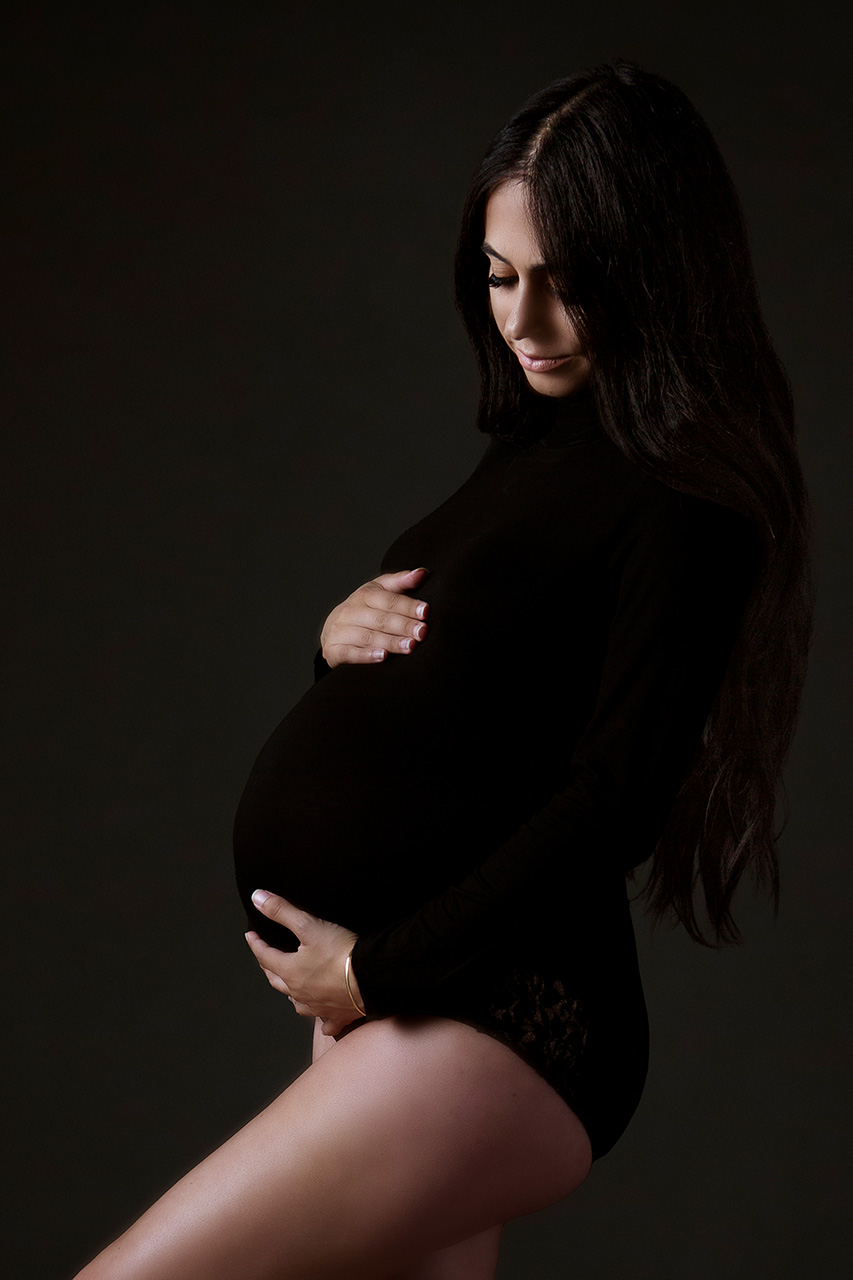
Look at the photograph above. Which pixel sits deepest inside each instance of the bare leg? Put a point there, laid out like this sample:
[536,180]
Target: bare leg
[414,1135]
[473,1259]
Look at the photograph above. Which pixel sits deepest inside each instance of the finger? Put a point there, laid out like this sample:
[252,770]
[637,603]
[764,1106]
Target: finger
[278,983]
[375,631]
[377,614]
[283,912]
[270,958]
[375,596]
[254,943]
[338,655]
[403,580]
[275,981]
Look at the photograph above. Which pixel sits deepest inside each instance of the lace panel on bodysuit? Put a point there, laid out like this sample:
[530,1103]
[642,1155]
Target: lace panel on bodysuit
[545,1026]
[534,1017]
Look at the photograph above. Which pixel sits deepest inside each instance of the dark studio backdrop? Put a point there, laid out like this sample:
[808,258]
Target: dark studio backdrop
[235,375]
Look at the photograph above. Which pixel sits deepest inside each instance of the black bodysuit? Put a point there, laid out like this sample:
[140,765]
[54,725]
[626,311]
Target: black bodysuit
[471,809]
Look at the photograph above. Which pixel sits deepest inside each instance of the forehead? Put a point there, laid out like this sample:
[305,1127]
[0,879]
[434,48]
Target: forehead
[508,227]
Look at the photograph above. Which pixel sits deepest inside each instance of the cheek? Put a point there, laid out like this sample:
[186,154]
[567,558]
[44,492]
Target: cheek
[564,323]
[564,334]
[499,309]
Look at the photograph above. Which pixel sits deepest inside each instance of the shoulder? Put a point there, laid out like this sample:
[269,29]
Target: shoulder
[667,530]
[654,504]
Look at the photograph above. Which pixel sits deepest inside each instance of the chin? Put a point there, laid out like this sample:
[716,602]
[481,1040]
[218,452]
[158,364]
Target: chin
[558,383]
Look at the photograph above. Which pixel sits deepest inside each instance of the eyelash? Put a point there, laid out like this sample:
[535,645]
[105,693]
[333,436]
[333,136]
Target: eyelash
[499,282]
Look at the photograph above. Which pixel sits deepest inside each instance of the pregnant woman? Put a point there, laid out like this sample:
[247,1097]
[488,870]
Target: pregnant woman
[588,658]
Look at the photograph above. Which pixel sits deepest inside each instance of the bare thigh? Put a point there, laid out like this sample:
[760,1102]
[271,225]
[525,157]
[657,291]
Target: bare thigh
[413,1135]
[475,1258]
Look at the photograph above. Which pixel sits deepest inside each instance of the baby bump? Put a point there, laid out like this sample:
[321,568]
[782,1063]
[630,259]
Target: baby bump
[353,817]
[380,787]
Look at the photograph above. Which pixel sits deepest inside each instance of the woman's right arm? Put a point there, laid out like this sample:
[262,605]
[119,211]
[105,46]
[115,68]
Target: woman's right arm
[377,618]
[680,576]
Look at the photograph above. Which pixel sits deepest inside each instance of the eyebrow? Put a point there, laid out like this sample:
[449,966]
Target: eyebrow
[493,253]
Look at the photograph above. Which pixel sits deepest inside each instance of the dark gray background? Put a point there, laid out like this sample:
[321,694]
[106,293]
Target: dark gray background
[236,375]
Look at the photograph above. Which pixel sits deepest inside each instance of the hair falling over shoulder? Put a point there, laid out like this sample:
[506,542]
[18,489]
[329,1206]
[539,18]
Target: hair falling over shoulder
[645,241]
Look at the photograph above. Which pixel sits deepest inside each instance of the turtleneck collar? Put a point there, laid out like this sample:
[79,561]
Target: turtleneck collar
[566,419]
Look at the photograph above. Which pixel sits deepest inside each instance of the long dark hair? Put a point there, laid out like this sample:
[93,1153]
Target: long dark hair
[642,231]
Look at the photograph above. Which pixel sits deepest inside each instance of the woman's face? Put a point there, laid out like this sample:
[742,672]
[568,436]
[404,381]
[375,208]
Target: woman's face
[529,314]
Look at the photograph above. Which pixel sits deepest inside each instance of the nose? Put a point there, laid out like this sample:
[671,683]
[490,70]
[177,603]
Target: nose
[525,318]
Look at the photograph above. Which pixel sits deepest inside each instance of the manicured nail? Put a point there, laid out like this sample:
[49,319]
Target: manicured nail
[259,897]
[377,655]
[406,644]
[419,631]
[421,610]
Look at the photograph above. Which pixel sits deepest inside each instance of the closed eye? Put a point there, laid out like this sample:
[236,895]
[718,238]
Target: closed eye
[500,282]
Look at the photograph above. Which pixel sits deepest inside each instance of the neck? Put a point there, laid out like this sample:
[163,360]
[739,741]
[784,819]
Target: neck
[565,419]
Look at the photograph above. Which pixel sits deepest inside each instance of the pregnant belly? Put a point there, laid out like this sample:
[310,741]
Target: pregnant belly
[367,799]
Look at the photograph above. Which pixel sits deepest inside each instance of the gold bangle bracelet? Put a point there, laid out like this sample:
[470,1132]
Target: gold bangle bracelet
[349,988]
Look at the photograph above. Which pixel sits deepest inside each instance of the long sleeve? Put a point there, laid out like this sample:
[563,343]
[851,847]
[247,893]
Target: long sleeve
[321,666]
[681,572]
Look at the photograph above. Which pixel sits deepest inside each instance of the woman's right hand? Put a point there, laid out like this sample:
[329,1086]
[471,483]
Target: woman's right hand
[376,619]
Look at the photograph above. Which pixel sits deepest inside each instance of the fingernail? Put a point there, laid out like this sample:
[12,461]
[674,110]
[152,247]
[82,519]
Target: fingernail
[421,610]
[419,631]
[420,570]
[259,897]
[377,655]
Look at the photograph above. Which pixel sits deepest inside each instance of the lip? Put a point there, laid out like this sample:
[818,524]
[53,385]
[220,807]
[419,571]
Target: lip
[540,364]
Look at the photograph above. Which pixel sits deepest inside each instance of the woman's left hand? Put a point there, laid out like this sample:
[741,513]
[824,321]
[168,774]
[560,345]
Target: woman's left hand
[314,975]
